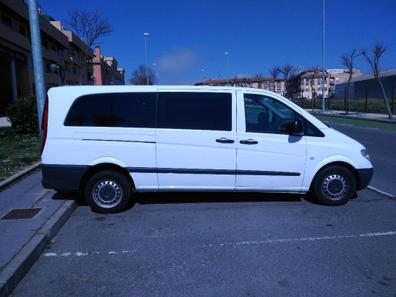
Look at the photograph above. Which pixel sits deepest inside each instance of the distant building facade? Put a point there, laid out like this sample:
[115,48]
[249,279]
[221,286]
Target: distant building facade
[62,53]
[106,70]
[311,82]
[78,71]
[366,85]
[266,83]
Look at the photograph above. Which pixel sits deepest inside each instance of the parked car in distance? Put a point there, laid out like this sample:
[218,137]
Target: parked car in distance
[112,141]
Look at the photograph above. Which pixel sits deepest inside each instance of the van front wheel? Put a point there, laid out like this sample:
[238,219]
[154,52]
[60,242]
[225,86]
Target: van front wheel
[108,192]
[334,185]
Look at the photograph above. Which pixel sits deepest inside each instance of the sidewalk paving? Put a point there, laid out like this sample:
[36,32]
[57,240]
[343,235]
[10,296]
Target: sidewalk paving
[22,240]
[355,115]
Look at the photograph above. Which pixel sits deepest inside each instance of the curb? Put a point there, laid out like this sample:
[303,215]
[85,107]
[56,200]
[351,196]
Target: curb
[13,178]
[24,260]
[392,122]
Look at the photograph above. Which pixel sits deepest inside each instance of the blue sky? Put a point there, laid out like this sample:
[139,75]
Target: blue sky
[188,38]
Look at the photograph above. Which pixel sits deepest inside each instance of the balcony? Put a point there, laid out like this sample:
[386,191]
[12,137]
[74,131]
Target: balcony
[52,55]
[52,79]
[14,37]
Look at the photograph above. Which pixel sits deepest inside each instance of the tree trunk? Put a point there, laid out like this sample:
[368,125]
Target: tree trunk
[387,107]
[346,100]
[347,96]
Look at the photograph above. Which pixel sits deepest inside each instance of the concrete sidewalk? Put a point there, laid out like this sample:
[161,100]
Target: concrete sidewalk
[23,239]
[378,117]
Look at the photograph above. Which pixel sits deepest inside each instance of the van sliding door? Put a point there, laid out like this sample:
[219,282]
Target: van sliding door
[195,138]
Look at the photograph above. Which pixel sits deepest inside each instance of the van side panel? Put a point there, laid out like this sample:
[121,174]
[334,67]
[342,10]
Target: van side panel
[69,148]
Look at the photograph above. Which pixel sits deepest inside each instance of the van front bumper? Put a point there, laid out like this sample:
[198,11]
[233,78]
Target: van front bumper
[365,176]
[62,177]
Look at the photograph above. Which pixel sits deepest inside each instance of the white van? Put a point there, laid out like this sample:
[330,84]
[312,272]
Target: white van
[112,141]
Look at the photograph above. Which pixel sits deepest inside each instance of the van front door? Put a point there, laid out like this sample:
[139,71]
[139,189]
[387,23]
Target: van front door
[196,140]
[268,158]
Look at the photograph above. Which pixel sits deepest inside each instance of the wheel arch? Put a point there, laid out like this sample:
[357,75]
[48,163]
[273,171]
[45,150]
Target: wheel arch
[347,165]
[105,166]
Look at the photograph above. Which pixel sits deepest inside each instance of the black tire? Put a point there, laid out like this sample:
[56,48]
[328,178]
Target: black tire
[108,191]
[334,185]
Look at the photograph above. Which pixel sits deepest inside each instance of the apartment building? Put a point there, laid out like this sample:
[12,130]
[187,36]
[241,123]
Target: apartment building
[266,83]
[63,53]
[78,69]
[16,67]
[311,81]
[106,70]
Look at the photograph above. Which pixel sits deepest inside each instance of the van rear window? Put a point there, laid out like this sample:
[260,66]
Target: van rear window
[113,110]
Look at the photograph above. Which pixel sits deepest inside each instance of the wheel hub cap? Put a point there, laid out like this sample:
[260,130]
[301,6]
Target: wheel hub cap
[107,193]
[334,186]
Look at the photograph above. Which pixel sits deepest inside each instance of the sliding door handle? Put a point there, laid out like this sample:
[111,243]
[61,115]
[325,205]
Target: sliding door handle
[224,140]
[248,141]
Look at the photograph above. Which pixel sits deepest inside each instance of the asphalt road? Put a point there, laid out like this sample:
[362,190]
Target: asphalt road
[229,245]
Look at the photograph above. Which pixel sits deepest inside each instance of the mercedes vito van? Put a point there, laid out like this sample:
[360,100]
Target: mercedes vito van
[112,141]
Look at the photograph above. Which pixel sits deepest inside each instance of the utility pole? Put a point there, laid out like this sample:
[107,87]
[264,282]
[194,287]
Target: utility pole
[323,57]
[227,54]
[146,34]
[37,59]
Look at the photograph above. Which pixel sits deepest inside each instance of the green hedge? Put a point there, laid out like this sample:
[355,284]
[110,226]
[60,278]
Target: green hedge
[355,105]
[22,114]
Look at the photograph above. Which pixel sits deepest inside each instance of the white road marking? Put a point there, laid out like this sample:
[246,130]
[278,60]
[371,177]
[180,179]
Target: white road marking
[286,240]
[381,192]
[234,244]
[83,254]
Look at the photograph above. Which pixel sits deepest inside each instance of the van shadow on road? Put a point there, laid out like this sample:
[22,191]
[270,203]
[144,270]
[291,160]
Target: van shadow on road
[198,197]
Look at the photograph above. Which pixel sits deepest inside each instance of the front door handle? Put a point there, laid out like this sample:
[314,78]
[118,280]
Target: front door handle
[224,140]
[248,141]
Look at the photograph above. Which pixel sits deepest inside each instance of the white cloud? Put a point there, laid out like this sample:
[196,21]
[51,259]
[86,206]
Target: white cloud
[177,61]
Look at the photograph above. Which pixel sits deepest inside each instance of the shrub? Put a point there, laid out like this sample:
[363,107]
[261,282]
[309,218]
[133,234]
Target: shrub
[22,114]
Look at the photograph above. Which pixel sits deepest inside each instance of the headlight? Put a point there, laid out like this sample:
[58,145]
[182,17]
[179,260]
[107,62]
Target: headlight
[365,154]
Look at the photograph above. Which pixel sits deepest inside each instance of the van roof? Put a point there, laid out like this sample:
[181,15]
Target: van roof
[124,88]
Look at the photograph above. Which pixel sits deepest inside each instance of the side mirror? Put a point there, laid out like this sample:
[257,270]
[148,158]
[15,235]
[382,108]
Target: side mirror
[298,127]
[295,127]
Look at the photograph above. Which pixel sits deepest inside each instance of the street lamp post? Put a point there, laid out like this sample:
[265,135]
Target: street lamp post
[323,56]
[146,34]
[227,56]
[37,59]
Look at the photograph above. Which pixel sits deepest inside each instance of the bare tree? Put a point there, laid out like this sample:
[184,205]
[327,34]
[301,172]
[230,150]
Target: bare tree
[348,61]
[275,71]
[374,59]
[139,76]
[287,71]
[90,26]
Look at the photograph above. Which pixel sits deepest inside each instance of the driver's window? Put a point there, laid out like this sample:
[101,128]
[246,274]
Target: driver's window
[267,115]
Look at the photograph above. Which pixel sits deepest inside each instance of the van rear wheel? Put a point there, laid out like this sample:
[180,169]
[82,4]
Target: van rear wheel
[334,185]
[108,191]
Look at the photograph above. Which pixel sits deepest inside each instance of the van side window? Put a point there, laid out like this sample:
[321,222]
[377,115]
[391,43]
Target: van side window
[267,115]
[113,110]
[196,111]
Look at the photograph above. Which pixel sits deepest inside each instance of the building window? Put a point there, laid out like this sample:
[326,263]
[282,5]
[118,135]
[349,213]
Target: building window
[44,41]
[6,21]
[22,30]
